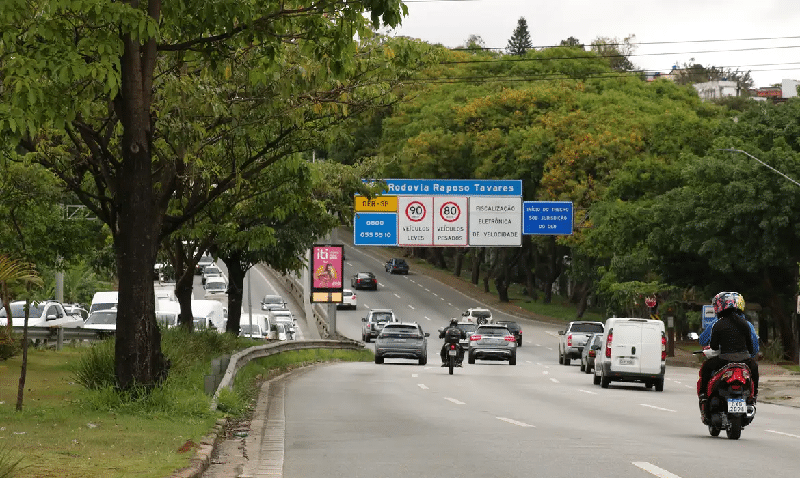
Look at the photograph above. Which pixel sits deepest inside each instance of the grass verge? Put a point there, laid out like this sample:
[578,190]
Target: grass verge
[68,430]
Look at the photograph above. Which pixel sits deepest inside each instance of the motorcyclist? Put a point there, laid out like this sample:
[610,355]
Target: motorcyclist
[735,338]
[452,335]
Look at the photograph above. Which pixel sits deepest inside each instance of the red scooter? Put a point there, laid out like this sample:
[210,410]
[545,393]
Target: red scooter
[729,391]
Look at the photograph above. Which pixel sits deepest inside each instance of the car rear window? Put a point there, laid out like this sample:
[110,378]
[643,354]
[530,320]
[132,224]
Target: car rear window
[401,331]
[364,275]
[591,328]
[510,325]
[492,331]
[382,317]
[481,314]
[468,328]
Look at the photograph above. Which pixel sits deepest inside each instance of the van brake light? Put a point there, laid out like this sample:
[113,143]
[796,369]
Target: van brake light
[608,344]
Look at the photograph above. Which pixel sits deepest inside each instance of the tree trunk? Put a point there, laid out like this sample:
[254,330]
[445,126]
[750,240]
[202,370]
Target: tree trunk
[139,361]
[477,260]
[459,261]
[530,277]
[582,291]
[24,369]
[183,291]
[236,275]
[438,257]
[551,271]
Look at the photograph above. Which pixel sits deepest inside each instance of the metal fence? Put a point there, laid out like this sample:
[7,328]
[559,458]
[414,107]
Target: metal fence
[59,335]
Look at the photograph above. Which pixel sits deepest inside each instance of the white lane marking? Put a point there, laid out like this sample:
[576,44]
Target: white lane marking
[528,361]
[588,391]
[782,433]
[457,402]
[554,380]
[654,470]
[427,318]
[397,296]
[441,298]
[412,280]
[435,294]
[427,290]
[538,345]
[657,408]
[514,422]
[422,386]
[549,348]
[450,304]
[414,375]
[411,306]
[545,372]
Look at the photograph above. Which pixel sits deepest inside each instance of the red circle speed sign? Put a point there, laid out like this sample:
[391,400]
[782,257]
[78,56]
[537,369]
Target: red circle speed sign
[415,211]
[450,211]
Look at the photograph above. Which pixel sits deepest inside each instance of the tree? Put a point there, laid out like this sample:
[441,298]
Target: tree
[617,52]
[520,41]
[690,73]
[572,42]
[119,75]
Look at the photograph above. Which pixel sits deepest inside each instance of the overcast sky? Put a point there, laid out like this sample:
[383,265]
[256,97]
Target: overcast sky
[757,34]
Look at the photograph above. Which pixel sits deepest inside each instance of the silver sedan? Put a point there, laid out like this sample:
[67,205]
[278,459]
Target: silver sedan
[492,342]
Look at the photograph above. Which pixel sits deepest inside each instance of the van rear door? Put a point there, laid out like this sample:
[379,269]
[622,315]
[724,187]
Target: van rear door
[626,347]
[652,332]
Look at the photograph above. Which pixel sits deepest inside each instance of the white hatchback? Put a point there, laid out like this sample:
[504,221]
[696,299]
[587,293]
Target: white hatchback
[348,299]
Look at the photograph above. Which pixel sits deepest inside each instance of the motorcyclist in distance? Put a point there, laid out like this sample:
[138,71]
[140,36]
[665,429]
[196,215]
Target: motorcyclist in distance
[735,338]
[452,334]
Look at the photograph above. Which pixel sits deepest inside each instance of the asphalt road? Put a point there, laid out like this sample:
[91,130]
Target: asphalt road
[489,419]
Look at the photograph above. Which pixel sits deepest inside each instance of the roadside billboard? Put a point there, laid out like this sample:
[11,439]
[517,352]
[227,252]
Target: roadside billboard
[327,270]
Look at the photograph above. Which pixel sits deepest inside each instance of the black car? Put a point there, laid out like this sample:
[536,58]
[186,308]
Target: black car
[398,266]
[514,328]
[364,280]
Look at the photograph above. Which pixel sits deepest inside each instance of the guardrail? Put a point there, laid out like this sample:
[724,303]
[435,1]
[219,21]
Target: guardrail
[61,334]
[241,358]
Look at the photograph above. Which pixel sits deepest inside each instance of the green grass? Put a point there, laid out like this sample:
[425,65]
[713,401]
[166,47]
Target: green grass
[67,430]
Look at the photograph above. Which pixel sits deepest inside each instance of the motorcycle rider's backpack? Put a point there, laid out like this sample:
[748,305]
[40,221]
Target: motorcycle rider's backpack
[452,335]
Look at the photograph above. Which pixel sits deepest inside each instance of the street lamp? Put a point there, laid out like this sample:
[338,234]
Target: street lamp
[762,162]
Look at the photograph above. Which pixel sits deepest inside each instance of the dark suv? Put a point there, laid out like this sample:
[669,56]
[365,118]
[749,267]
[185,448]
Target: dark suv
[364,280]
[399,266]
[514,328]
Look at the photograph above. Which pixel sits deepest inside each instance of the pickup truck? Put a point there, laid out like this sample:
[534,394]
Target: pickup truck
[41,314]
[572,339]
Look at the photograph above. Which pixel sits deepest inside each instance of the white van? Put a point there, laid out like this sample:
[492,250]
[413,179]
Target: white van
[167,312]
[104,300]
[632,350]
[209,314]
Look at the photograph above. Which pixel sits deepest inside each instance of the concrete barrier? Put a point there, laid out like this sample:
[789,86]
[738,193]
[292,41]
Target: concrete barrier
[242,358]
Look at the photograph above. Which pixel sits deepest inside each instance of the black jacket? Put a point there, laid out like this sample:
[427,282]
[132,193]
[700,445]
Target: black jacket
[731,334]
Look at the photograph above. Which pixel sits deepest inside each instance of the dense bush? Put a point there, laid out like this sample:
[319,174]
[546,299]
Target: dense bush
[9,345]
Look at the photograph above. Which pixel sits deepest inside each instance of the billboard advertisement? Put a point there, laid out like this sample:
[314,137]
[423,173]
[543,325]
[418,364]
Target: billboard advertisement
[327,269]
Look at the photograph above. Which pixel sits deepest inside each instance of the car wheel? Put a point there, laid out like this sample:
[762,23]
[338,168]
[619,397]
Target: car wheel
[567,360]
[471,359]
[605,381]
[648,385]
[583,366]
[596,379]
[519,342]
[660,385]
[367,339]
[378,359]
[560,358]
[513,360]
[423,360]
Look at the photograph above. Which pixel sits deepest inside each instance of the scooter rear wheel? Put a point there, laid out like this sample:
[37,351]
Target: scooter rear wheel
[734,431]
[451,363]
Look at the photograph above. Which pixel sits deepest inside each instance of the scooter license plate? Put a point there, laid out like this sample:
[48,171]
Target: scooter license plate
[452,352]
[736,405]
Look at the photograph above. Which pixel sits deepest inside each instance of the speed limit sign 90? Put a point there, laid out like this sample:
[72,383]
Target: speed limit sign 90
[415,211]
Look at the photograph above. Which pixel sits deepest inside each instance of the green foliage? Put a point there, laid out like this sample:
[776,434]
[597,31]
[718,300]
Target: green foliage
[95,368]
[774,351]
[9,462]
[520,41]
[9,344]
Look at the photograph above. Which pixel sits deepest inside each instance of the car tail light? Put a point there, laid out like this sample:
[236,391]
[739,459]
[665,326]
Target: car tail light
[475,337]
[663,347]
[569,340]
[608,344]
[510,338]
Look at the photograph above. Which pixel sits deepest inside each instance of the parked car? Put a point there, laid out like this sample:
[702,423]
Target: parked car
[492,342]
[634,350]
[364,280]
[270,302]
[397,266]
[48,313]
[478,315]
[573,338]
[402,340]
[589,352]
[374,322]
[215,287]
[348,300]
[104,321]
[515,329]
[204,261]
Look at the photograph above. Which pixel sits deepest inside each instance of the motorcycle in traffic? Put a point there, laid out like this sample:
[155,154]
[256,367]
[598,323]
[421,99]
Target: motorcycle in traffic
[730,393]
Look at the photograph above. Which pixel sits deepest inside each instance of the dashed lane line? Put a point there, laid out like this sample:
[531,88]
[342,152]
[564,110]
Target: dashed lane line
[515,422]
[654,470]
[658,408]
[457,402]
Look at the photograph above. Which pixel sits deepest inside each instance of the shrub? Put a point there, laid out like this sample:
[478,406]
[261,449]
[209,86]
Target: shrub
[773,352]
[95,368]
[9,345]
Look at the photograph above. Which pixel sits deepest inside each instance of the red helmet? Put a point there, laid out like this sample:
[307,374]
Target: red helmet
[727,300]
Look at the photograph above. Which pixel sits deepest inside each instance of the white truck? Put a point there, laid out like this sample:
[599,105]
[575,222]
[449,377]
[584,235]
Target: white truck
[573,338]
[48,313]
